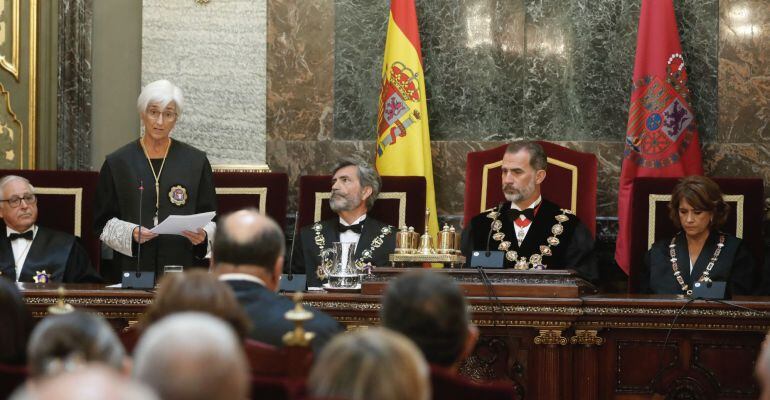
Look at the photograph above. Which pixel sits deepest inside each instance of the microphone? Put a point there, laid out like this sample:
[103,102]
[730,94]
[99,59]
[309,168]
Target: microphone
[489,235]
[293,239]
[139,279]
[139,240]
[488,258]
[291,282]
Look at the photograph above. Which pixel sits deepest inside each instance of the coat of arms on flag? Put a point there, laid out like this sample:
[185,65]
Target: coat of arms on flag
[400,108]
[661,125]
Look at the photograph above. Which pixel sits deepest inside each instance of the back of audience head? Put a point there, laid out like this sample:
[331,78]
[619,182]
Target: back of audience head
[370,364]
[762,368]
[192,356]
[251,243]
[66,342]
[92,382]
[197,291]
[16,323]
[430,309]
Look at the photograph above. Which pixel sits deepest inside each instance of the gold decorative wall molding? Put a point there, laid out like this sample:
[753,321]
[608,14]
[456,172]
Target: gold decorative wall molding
[7,133]
[10,62]
[550,337]
[586,337]
[32,125]
[257,191]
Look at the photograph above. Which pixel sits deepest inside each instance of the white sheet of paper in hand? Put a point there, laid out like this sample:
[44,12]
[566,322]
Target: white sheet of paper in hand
[175,224]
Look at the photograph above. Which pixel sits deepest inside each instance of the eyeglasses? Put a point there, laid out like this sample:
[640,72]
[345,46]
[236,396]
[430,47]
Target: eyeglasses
[15,201]
[167,115]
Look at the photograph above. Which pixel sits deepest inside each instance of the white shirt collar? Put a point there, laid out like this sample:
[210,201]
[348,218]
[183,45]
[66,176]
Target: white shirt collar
[358,220]
[238,276]
[533,205]
[9,231]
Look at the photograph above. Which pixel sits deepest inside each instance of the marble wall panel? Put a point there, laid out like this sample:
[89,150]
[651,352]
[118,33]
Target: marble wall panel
[473,59]
[744,71]
[699,33]
[300,68]
[360,27]
[216,53]
[74,85]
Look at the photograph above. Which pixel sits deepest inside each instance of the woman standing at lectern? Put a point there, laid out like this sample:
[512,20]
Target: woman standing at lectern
[700,251]
[172,178]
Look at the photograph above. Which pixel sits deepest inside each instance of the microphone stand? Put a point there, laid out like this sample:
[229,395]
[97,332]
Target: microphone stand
[139,279]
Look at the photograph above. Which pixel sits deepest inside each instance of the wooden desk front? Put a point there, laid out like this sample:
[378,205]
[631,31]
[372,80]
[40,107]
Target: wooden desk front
[591,347]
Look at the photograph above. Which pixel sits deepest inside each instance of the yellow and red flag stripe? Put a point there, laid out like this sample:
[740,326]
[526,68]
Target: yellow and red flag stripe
[403,137]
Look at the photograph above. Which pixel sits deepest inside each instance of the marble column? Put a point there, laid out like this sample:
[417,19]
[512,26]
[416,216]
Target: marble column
[74,81]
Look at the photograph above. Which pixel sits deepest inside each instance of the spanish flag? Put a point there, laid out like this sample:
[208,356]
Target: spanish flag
[403,138]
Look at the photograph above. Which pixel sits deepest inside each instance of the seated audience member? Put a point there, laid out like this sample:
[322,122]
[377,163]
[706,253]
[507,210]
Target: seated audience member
[700,252]
[67,342]
[192,356]
[197,291]
[16,323]
[32,253]
[94,382]
[762,369]
[248,255]
[429,308]
[370,364]
[532,231]
[355,186]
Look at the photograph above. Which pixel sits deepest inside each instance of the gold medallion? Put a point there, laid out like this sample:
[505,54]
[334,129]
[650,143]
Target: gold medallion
[41,277]
[511,255]
[504,246]
[557,229]
[553,241]
[562,218]
[178,195]
[535,259]
[545,250]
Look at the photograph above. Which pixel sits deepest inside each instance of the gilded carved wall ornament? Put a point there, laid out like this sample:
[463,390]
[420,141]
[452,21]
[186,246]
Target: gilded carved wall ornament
[10,130]
[586,338]
[550,337]
[9,37]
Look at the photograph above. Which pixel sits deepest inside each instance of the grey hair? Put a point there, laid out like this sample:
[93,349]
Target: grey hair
[367,176]
[537,158]
[162,92]
[192,355]
[8,178]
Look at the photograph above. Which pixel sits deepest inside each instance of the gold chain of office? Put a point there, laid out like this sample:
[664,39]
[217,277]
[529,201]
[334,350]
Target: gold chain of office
[535,260]
[705,276]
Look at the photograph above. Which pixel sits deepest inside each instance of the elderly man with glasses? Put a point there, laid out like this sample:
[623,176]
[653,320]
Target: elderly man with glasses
[32,253]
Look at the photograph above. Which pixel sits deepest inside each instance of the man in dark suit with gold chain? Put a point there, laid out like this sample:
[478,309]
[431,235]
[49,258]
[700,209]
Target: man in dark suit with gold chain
[355,186]
[532,231]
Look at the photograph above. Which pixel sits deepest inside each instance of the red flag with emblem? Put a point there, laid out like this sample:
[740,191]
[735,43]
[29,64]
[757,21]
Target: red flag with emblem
[661,135]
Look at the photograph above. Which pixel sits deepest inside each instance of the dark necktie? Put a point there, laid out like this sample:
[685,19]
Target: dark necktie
[355,228]
[26,235]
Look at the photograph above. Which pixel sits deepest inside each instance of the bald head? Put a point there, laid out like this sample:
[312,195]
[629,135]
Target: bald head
[248,239]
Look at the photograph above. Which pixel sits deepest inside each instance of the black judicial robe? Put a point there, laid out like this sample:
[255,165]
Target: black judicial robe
[117,195]
[575,250]
[734,265]
[57,253]
[307,254]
